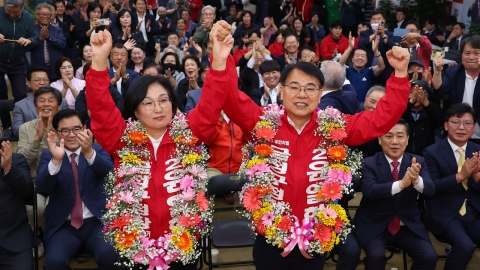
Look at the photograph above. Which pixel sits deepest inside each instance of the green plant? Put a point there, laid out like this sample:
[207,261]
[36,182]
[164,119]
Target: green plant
[473,29]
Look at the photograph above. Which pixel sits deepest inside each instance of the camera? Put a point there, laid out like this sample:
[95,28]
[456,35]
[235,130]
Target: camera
[104,21]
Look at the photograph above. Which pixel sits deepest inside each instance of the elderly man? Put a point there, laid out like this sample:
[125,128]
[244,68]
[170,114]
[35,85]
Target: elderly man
[52,41]
[203,31]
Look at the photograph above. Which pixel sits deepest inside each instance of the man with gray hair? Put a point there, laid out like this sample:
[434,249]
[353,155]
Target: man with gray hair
[374,94]
[332,93]
[203,31]
[17,36]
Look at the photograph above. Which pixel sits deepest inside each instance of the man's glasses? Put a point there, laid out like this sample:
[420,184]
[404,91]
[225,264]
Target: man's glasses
[466,124]
[66,132]
[295,88]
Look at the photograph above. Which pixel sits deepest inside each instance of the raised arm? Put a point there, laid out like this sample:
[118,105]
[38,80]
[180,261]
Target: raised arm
[107,123]
[365,126]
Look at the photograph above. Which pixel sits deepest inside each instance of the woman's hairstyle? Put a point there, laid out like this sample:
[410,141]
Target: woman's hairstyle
[297,19]
[245,12]
[307,32]
[59,64]
[91,7]
[137,92]
[195,59]
[120,14]
[178,65]
[159,68]
[83,47]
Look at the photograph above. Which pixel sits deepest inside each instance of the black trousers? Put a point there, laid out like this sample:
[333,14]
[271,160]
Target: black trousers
[268,257]
[16,260]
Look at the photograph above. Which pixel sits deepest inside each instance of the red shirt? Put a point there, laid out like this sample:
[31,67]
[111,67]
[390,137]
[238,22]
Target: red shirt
[328,46]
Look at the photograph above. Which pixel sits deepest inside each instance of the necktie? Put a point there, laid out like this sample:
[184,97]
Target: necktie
[394,225]
[461,161]
[45,52]
[77,211]
[458,44]
[413,53]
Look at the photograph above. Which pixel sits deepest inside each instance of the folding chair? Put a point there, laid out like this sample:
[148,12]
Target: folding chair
[227,233]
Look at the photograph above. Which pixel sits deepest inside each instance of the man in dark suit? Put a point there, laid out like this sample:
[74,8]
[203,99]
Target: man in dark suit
[52,41]
[454,212]
[251,76]
[291,56]
[73,174]
[400,16]
[332,93]
[269,92]
[432,31]
[474,12]
[388,212]
[459,81]
[455,39]
[121,77]
[16,236]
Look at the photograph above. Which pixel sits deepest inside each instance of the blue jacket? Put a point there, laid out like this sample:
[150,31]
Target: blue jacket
[444,206]
[56,42]
[378,207]
[60,187]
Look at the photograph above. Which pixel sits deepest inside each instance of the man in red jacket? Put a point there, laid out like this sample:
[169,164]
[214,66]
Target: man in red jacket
[333,44]
[418,45]
[300,86]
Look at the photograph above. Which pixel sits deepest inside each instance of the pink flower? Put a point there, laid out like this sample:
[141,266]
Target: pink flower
[132,171]
[333,113]
[126,197]
[186,182]
[334,175]
[329,212]
[258,169]
[121,173]
[187,194]
[267,219]
[194,170]
[346,178]
[201,201]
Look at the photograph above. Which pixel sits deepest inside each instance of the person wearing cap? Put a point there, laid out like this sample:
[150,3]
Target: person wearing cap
[423,117]
[416,69]
[418,45]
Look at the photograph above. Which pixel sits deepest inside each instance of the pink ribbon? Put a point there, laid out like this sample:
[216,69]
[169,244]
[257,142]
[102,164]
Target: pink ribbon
[301,236]
[158,263]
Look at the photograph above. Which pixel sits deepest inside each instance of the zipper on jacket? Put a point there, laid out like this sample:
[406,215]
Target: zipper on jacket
[13,44]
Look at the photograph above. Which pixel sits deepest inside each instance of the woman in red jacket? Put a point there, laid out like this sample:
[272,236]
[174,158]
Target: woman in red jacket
[152,104]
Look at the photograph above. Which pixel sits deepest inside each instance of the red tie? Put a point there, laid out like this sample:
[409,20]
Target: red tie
[77,211]
[394,226]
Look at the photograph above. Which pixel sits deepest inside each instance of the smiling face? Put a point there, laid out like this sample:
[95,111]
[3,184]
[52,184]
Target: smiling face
[291,44]
[271,78]
[359,59]
[297,24]
[247,19]
[66,69]
[38,79]
[60,8]
[138,55]
[47,105]
[394,142]
[87,53]
[158,118]
[70,141]
[372,100]
[126,19]
[140,6]
[460,134]
[300,106]
[44,16]
[470,58]
[191,68]
[118,56]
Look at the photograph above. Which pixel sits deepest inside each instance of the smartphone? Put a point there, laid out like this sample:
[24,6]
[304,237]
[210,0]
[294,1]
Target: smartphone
[104,21]
[157,39]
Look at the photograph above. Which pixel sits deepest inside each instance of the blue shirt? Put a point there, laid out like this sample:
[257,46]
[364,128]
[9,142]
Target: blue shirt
[361,80]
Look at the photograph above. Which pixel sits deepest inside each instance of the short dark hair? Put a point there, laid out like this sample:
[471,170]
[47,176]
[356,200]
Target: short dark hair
[69,7]
[377,12]
[335,24]
[135,1]
[417,25]
[404,123]
[473,41]
[290,35]
[432,21]
[59,64]
[306,68]
[137,92]
[189,12]
[36,69]
[180,18]
[253,31]
[120,14]
[83,47]
[195,59]
[450,20]
[245,12]
[178,65]
[58,1]
[269,66]
[64,114]
[53,5]
[401,10]
[118,46]
[459,110]
[462,25]
[158,67]
[361,49]
[172,33]
[298,19]
[92,6]
[306,48]
[47,89]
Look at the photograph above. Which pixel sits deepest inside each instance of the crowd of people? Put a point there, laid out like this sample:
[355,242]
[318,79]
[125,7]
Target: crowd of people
[411,104]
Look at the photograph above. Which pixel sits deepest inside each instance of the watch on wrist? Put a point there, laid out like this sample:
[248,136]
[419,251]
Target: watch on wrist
[419,36]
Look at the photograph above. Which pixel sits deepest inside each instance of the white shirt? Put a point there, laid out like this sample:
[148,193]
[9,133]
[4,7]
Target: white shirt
[273,96]
[468,98]
[395,186]
[454,149]
[142,26]
[399,23]
[54,169]
[293,125]
[156,144]
[119,82]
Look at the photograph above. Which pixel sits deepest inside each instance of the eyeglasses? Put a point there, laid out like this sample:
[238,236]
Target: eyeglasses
[466,124]
[148,105]
[37,80]
[66,132]
[295,88]
[291,43]
[208,14]
[44,14]
[168,61]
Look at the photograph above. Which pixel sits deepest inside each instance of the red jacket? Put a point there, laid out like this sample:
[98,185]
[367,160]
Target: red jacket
[328,46]
[424,52]
[295,178]
[238,53]
[108,125]
[195,10]
[225,147]
[276,49]
[305,6]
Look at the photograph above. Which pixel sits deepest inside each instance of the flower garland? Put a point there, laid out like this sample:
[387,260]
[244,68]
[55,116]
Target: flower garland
[273,219]
[191,211]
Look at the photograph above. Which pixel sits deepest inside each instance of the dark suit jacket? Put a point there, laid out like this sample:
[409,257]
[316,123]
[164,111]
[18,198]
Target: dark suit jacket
[132,75]
[378,207]
[56,42]
[149,43]
[81,102]
[250,79]
[257,94]
[270,12]
[344,101]
[281,60]
[60,187]
[453,85]
[432,36]
[452,45]
[82,29]
[15,233]
[136,35]
[382,48]
[403,25]
[473,13]
[444,206]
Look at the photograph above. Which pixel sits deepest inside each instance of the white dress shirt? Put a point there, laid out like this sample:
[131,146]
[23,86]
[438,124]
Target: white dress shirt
[273,93]
[454,149]
[470,84]
[55,169]
[142,26]
[396,187]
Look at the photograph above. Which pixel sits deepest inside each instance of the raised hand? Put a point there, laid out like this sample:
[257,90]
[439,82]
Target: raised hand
[57,151]
[147,24]
[197,47]
[351,41]
[223,30]
[438,62]
[398,59]
[139,24]
[130,44]
[221,49]
[101,46]
[85,139]
[72,26]
[414,95]
[39,132]
[375,43]
[6,153]
[414,171]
